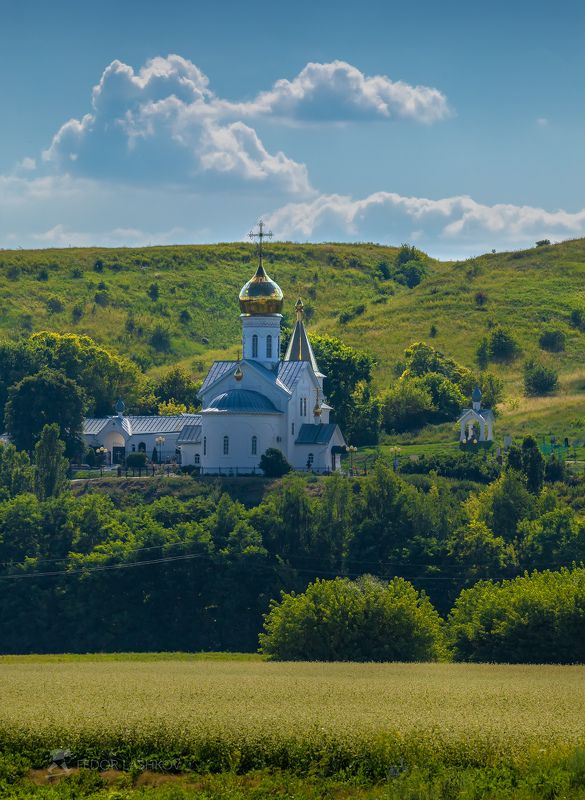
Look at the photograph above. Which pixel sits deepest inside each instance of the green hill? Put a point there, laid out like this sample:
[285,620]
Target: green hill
[168,305]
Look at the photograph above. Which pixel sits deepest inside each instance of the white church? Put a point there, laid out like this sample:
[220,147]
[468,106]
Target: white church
[258,402]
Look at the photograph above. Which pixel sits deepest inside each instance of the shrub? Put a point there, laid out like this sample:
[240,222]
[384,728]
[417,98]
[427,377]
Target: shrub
[54,305]
[410,274]
[577,318]
[153,291]
[543,242]
[76,312]
[136,460]
[553,340]
[535,619]
[362,620]
[184,317]
[502,345]
[98,265]
[160,339]
[101,298]
[273,463]
[539,379]
[481,299]
[43,274]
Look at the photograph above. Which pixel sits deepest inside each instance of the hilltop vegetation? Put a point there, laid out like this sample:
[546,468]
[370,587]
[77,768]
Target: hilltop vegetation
[178,305]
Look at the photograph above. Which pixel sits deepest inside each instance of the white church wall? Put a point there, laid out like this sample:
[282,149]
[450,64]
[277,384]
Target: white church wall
[239,430]
[255,343]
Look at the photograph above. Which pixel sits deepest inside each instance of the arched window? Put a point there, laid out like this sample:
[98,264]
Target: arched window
[301,401]
[292,429]
[269,346]
[254,445]
[304,406]
[197,459]
[226,445]
[310,460]
[205,445]
[141,447]
[254,346]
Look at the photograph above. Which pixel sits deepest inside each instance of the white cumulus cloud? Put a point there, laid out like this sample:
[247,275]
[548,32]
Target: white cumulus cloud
[162,123]
[339,92]
[449,226]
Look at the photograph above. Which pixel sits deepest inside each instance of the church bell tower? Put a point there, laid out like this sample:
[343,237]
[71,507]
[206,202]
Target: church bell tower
[261,302]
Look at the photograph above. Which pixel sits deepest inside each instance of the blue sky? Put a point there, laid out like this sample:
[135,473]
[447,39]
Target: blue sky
[458,126]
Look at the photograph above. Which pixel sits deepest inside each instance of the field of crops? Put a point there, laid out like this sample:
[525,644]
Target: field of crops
[366,720]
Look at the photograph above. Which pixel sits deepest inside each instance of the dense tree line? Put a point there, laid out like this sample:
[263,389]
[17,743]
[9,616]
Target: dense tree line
[92,573]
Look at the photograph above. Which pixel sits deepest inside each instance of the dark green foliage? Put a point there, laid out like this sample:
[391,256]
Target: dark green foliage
[539,379]
[553,340]
[136,460]
[50,465]
[16,472]
[577,318]
[410,274]
[502,345]
[554,469]
[532,619]
[101,298]
[160,339]
[482,355]
[363,620]
[43,399]
[273,463]
[466,466]
[153,291]
[481,299]
[543,242]
[176,385]
[55,305]
[345,368]
[532,464]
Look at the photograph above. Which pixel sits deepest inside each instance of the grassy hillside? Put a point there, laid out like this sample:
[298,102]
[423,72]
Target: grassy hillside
[106,293]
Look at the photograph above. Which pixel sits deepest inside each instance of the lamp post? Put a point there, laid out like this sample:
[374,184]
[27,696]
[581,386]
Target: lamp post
[351,450]
[160,440]
[101,453]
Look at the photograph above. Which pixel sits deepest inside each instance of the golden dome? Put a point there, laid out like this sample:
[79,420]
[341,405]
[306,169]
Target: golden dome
[261,295]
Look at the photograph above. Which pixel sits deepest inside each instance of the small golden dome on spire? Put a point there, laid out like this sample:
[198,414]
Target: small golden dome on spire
[261,295]
[317,409]
[299,306]
[238,374]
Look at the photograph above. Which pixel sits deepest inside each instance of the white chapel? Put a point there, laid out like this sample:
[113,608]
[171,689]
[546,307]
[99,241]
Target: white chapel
[250,405]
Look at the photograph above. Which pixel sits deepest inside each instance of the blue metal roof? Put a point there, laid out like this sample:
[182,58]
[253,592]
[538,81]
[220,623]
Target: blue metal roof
[191,434]
[135,426]
[315,434]
[242,400]
[216,371]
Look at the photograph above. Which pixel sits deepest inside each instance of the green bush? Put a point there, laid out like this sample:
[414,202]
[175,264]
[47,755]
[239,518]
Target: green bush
[136,460]
[553,340]
[362,620]
[273,463]
[502,345]
[539,379]
[536,619]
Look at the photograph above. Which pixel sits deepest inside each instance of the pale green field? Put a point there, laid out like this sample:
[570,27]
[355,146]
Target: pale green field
[251,714]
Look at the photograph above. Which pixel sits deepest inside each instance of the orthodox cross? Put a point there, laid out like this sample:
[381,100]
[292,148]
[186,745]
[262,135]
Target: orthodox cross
[261,234]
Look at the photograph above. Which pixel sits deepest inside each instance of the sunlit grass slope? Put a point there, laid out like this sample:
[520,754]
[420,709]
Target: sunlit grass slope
[106,293]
